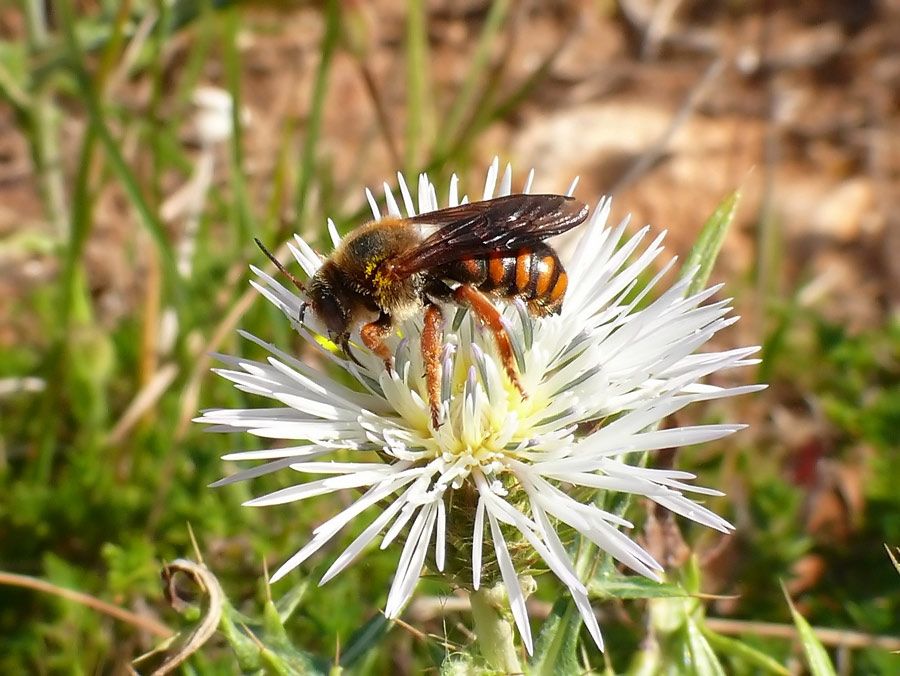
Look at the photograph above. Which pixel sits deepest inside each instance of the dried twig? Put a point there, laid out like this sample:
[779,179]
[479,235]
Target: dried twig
[208,583]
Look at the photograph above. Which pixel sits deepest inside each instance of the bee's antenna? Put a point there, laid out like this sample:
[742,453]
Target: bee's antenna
[271,257]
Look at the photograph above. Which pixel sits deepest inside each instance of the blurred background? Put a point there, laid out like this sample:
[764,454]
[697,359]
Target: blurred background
[144,144]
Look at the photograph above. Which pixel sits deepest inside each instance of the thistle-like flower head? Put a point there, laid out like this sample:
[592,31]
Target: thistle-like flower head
[484,496]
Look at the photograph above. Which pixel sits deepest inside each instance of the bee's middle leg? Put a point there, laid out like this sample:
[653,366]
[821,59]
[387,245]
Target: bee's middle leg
[431,354]
[374,334]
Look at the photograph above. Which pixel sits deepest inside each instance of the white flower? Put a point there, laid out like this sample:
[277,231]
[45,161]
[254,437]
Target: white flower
[599,376]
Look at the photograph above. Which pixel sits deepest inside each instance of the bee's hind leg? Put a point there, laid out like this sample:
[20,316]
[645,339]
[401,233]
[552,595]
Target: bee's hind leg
[468,296]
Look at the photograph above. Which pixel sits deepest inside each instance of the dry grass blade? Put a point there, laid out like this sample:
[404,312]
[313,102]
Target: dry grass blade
[142,622]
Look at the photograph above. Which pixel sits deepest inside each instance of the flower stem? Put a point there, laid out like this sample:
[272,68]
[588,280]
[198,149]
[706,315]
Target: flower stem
[494,628]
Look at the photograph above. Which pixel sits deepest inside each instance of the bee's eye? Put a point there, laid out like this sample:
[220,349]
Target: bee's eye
[331,312]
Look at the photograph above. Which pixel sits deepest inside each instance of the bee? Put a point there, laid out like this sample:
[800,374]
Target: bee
[393,268]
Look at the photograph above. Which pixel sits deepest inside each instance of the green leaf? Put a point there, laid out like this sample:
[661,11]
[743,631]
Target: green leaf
[365,638]
[705,251]
[557,645]
[725,645]
[704,660]
[631,587]
[816,655]
[13,73]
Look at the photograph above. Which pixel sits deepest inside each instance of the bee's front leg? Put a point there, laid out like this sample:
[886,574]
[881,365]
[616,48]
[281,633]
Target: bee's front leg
[375,333]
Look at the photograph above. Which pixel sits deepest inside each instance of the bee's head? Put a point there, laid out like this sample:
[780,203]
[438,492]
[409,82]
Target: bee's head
[329,297]
[329,302]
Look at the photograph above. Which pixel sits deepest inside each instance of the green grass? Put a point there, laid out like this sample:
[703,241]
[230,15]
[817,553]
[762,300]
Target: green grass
[92,506]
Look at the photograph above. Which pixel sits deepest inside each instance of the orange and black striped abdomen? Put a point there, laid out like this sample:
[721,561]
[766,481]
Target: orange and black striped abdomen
[532,273]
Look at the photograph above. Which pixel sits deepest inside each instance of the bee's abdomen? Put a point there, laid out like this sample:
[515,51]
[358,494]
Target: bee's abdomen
[534,274]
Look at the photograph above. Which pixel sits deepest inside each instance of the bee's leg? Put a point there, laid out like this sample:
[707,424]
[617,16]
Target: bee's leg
[431,354]
[375,333]
[484,309]
[344,342]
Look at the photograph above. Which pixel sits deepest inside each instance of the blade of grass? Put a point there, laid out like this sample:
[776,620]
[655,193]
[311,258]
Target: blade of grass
[44,124]
[119,166]
[508,104]
[112,51]
[242,217]
[485,114]
[329,41]
[279,186]
[706,249]
[816,656]
[71,286]
[482,114]
[192,70]
[73,305]
[417,64]
[842,638]
[151,305]
[461,106]
[381,113]
[12,92]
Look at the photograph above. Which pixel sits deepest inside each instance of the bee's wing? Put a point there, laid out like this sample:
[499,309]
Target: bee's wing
[501,224]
